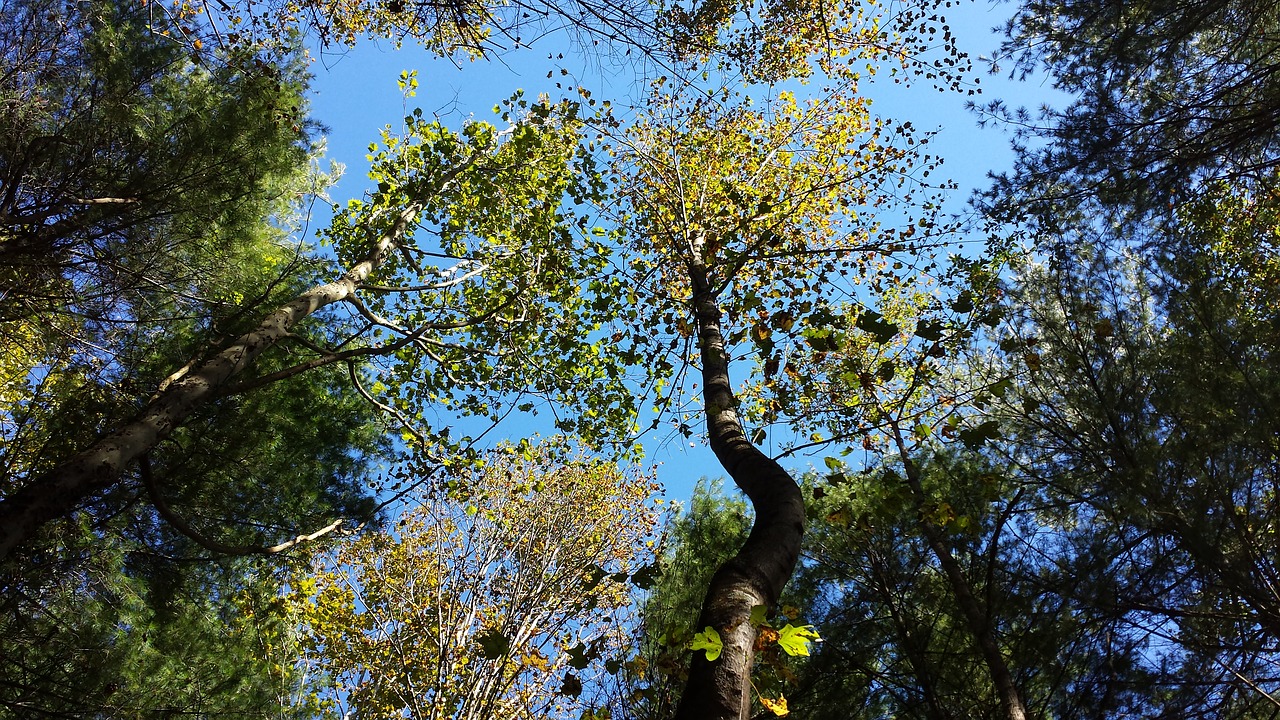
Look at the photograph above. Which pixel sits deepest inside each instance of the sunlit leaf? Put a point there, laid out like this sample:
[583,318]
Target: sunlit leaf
[708,640]
[796,640]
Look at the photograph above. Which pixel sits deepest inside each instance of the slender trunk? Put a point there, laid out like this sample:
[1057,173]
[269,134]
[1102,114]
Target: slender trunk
[721,689]
[58,492]
[912,646]
[975,614]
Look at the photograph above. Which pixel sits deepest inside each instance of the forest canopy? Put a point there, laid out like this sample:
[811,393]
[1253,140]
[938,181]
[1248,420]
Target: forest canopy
[272,453]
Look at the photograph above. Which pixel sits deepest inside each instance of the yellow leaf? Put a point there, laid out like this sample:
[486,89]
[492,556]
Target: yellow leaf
[777,707]
[795,640]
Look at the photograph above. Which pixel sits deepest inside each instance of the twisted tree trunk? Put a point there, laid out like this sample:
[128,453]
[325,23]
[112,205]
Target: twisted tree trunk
[721,689]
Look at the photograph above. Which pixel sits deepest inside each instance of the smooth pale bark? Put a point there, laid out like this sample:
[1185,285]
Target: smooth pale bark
[721,689]
[58,492]
[975,614]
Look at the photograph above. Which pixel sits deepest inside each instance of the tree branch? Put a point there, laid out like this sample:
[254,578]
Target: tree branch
[182,526]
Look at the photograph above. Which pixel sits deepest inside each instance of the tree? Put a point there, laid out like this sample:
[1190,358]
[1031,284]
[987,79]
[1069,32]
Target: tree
[138,189]
[1147,405]
[501,597]
[746,217]
[1133,341]
[508,267]
[107,638]
[696,540]
[1161,93]
[1100,520]
[104,298]
[139,250]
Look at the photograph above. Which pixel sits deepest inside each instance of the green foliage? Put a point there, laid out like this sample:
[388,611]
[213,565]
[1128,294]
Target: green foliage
[696,541]
[99,640]
[131,170]
[1160,92]
[709,641]
[700,538]
[143,221]
[489,290]
[1163,469]
[895,641]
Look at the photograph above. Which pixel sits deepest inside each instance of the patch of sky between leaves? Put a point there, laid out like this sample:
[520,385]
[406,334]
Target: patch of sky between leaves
[355,94]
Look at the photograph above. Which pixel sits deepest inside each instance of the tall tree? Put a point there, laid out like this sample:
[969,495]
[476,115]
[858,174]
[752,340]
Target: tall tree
[747,215]
[455,322]
[1134,339]
[138,186]
[1148,405]
[1160,92]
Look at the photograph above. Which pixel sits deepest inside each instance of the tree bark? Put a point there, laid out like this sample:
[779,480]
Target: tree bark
[58,492]
[721,689]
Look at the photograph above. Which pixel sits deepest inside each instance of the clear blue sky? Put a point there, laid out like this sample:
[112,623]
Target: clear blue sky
[355,94]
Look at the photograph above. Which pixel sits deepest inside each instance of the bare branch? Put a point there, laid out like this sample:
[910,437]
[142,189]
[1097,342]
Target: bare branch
[181,525]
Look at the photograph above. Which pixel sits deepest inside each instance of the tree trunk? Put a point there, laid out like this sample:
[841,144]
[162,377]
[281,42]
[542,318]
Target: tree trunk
[721,689]
[58,492]
[912,646]
[971,607]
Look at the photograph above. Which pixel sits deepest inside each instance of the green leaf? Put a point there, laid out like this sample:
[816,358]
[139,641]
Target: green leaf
[821,340]
[974,437]
[646,577]
[759,616]
[930,330]
[708,640]
[578,657]
[493,644]
[796,640]
[873,322]
[572,686]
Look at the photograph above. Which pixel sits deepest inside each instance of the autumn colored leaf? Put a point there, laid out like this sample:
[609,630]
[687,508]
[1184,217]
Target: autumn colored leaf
[777,707]
[796,640]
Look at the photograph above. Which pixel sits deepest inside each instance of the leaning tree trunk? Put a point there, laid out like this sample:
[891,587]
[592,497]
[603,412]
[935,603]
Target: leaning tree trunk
[58,492]
[721,689]
[975,614]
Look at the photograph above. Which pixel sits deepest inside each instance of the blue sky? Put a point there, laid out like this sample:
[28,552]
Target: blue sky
[355,94]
